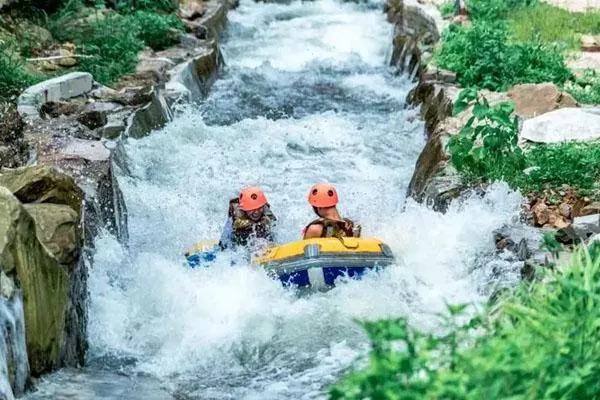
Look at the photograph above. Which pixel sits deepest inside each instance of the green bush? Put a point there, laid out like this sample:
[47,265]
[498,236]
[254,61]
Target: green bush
[486,147]
[483,57]
[542,341]
[156,30]
[13,77]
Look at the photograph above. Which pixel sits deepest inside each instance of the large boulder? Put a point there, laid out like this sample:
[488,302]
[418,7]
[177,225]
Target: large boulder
[42,184]
[58,230]
[434,180]
[44,283]
[533,99]
[565,124]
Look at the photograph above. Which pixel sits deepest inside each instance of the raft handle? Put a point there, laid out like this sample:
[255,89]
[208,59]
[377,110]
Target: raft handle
[312,250]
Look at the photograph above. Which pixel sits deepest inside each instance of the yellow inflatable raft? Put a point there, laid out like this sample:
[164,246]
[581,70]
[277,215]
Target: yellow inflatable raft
[311,262]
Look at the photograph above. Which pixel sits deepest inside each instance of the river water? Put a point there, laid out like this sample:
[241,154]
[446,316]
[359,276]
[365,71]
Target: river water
[306,96]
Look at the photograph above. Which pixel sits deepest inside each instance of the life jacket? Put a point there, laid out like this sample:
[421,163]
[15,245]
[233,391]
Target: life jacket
[335,228]
[243,227]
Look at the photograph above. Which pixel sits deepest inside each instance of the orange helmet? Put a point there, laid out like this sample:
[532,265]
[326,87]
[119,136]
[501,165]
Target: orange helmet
[252,198]
[322,195]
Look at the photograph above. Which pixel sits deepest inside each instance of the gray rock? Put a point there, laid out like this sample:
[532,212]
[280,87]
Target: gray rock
[115,125]
[61,88]
[587,226]
[562,125]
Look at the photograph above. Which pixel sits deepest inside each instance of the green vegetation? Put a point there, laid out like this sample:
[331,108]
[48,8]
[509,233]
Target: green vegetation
[13,77]
[486,150]
[448,8]
[114,40]
[111,39]
[493,10]
[541,341]
[483,57]
[553,25]
[518,41]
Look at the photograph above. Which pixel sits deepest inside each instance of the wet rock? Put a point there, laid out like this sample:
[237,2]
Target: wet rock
[115,125]
[191,81]
[57,228]
[436,74]
[95,115]
[190,41]
[7,286]
[535,99]
[562,125]
[416,31]
[214,18]
[43,282]
[152,116]
[42,184]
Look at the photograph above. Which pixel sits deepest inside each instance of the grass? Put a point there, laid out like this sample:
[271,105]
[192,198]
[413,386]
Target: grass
[586,89]
[575,164]
[541,341]
[553,24]
[13,76]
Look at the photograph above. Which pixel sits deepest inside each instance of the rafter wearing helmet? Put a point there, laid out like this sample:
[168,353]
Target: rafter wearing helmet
[323,198]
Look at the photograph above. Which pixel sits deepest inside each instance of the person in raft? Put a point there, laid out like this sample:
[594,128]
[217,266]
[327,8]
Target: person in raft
[323,198]
[250,217]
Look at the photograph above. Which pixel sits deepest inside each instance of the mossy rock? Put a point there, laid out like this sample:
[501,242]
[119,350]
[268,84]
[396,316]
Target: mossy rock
[43,282]
[42,184]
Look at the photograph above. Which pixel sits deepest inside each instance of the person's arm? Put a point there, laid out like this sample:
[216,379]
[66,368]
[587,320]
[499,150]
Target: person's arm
[225,241]
[313,231]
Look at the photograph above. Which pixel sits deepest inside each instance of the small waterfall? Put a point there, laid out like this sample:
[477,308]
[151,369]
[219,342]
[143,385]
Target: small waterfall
[14,366]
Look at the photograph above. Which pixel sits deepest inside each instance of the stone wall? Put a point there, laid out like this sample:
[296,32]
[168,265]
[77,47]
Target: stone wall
[52,208]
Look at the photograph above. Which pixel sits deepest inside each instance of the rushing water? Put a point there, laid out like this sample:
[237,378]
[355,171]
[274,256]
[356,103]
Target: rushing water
[306,96]
[13,354]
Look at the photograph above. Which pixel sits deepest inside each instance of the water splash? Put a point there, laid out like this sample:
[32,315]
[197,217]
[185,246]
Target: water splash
[14,366]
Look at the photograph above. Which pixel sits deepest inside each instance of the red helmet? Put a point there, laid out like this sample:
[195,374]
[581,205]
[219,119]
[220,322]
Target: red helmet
[323,195]
[252,198]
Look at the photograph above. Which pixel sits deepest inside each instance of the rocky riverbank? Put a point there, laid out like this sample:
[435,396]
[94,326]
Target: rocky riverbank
[547,115]
[61,146]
